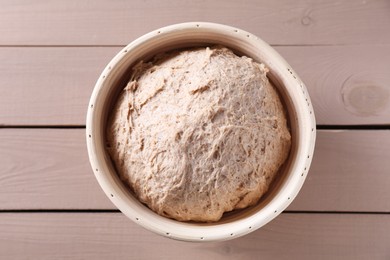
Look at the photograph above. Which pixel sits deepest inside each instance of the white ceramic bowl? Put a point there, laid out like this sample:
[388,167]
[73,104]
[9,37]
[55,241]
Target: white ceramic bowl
[294,95]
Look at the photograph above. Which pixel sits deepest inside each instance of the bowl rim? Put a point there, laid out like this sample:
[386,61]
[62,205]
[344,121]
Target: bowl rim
[119,195]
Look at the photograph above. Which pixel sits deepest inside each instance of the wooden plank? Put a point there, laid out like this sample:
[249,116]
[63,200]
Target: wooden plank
[348,85]
[48,86]
[350,172]
[118,22]
[49,169]
[113,236]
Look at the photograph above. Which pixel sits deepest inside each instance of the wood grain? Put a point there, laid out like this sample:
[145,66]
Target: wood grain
[350,172]
[49,169]
[26,22]
[113,236]
[348,85]
[48,86]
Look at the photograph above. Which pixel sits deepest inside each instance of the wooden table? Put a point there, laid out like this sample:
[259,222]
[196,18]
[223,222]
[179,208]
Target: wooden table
[51,54]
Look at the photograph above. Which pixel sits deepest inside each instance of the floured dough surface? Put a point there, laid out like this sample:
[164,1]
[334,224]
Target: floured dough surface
[197,133]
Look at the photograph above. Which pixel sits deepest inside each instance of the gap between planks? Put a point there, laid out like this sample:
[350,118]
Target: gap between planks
[124,45]
[21,211]
[318,127]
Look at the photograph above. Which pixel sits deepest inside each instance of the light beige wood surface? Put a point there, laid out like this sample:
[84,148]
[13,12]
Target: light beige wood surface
[52,52]
[49,169]
[112,236]
[48,86]
[51,86]
[105,22]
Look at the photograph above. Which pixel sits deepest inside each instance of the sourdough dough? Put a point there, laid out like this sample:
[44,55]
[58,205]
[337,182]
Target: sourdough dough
[198,132]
